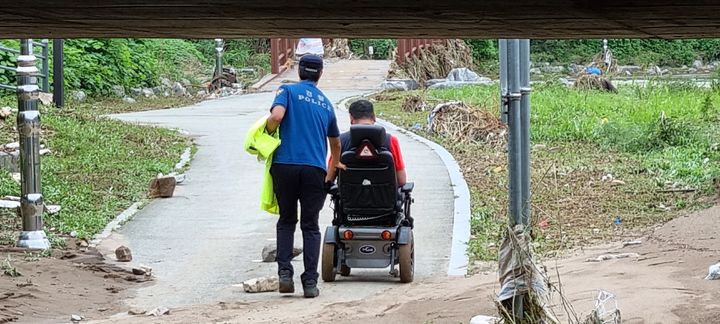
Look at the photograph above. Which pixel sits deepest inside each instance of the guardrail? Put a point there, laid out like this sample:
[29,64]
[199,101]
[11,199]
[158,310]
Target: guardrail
[44,57]
[409,47]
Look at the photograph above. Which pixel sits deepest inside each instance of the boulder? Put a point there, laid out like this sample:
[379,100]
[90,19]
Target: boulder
[147,93]
[400,85]
[118,91]
[178,89]
[136,92]
[535,71]
[269,252]
[553,69]
[697,64]
[165,82]
[78,95]
[46,99]
[142,270]
[123,254]
[162,187]
[462,74]
[262,284]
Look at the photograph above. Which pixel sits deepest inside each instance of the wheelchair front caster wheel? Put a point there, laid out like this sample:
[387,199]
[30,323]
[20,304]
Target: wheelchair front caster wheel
[344,270]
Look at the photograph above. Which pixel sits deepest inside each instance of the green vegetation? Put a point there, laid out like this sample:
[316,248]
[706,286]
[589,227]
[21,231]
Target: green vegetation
[97,168]
[653,141]
[382,48]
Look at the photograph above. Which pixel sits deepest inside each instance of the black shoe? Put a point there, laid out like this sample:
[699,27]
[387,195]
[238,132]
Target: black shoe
[287,286]
[310,289]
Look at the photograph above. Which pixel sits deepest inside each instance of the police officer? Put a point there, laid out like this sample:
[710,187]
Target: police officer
[306,119]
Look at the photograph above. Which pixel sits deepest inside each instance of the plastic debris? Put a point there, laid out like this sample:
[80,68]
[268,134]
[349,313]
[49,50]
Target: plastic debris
[713,272]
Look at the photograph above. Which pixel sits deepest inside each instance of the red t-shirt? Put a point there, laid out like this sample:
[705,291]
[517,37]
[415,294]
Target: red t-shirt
[396,153]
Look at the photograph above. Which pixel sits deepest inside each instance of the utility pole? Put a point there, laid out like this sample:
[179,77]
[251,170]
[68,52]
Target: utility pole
[28,124]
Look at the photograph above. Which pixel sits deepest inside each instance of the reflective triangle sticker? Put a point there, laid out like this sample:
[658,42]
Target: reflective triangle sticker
[366,152]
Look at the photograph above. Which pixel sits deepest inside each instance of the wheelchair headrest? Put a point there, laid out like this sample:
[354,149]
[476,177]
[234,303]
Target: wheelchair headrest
[373,133]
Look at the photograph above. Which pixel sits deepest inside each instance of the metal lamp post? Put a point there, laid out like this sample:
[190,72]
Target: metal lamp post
[28,121]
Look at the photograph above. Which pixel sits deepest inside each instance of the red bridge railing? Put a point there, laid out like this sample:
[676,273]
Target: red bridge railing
[410,46]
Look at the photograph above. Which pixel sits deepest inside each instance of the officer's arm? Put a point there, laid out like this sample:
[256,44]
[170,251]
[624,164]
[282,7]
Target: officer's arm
[276,117]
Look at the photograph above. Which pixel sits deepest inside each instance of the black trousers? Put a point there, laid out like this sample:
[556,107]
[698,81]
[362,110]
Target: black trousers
[306,184]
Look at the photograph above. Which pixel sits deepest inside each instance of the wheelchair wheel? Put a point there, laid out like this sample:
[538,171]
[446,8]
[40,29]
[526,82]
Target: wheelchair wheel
[407,261]
[328,262]
[344,270]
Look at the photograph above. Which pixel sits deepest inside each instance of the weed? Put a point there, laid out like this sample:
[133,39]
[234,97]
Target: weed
[8,269]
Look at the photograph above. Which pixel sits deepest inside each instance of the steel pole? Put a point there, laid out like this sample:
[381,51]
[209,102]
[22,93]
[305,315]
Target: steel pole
[58,73]
[219,46]
[502,49]
[514,97]
[525,129]
[514,154]
[28,121]
[46,66]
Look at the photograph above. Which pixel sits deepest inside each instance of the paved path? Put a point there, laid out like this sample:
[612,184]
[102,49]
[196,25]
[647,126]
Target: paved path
[341,74]
[209,236]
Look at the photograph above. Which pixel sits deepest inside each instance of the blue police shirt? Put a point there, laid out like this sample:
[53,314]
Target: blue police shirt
[309,120]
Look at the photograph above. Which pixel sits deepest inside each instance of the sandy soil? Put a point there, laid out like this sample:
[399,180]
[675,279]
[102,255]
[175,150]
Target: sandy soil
[663,284]
[52,289]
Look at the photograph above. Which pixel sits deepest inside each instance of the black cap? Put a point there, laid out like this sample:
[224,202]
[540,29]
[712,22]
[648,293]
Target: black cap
[311,63]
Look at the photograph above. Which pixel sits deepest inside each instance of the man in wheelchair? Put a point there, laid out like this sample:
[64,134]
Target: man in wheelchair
[372,226]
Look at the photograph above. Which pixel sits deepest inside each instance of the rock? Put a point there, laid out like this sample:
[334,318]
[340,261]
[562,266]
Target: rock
[73,234]
[566,82]
[46,99]
[166,94]
[697,64]
[212,96]
[224,92]
[12,146]
[136,311]
[237,86]
[129,100]
[9,204]
[713,272]
[45,152]
[631,69]
[78,95]
[178,89]
[262,284]
[17,177]
[165,82]
[186,83]
[201,93]
[5,112]
[553,69]
[655,70]
[118,91]
[158,91]
[136,92]
[147,93]
[142,270]
[482,319]
[160,311]
[76,318]
[269,252]
[606,257]
[123,254]
[84,243]
[52,209]
[163,187]
[399,85]
[462,74]
[575,69]
[692,70]
[535,71]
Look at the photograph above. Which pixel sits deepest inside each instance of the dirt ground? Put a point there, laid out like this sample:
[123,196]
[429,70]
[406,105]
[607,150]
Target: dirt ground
[663,284]
[52,289]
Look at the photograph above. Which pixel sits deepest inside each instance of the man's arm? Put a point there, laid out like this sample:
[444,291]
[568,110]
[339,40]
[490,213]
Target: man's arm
[400,173]
[334,159]
[276,116]
[401,177]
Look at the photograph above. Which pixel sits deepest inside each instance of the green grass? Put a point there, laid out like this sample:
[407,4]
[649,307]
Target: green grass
[98,167]
[659,137]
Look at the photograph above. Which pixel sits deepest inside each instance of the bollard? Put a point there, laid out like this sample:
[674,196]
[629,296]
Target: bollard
[28,121]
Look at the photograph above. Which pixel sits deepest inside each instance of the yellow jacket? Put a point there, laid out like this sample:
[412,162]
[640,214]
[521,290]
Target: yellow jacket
[259,142]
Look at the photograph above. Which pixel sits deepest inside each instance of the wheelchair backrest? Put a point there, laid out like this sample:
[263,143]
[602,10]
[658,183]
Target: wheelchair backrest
[368,186]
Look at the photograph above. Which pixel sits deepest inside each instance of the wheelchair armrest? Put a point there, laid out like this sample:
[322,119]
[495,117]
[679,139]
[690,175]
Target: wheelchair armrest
[408,187]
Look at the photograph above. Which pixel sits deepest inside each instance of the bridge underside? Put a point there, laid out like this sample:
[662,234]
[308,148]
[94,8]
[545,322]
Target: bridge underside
[360,18]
